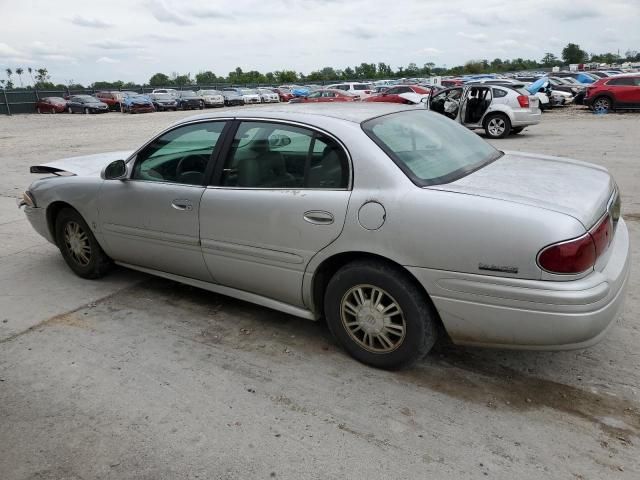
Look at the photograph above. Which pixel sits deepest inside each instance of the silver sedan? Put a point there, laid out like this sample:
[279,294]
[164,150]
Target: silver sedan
[394,223]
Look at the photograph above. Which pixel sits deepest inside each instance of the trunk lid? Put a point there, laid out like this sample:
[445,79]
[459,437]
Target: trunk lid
[579,189]
[86,165]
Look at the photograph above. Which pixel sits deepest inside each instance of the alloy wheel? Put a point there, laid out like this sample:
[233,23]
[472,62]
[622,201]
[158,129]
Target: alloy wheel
[496,126]
[77,243]
[373,318]
[602,105]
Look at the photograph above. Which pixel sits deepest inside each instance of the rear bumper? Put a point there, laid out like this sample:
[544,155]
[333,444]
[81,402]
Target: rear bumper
[522,118]
[530,314]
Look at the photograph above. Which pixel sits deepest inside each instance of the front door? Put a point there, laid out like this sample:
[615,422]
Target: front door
[151,218]
[447,102]
[280,196]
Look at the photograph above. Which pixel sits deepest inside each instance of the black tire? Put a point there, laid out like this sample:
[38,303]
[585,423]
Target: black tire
[602,104]
[499,119]
[97,262]
[416,314]
[516,130]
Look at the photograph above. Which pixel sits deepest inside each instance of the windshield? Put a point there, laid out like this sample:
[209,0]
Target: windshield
[247,91]
[428,148]
[210,92]
[187,94]
[162,96]
[86,98]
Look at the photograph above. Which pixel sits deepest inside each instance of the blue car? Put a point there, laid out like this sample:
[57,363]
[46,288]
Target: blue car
[136,103]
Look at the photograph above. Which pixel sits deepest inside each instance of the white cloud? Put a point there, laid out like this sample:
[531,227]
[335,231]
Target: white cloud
[107,60]
[90,22]
[164,14]
[108,44]
[7,51]
[430,51]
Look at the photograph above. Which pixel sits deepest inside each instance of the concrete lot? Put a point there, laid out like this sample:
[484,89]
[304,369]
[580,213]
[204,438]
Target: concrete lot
[140,378]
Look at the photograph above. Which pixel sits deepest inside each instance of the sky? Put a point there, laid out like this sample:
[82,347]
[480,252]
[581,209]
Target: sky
[130,40]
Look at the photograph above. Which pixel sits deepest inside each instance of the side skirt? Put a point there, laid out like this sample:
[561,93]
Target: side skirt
[230,292]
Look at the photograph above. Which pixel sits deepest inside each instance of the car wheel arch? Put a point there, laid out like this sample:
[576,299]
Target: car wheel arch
[329,266]
[53,209]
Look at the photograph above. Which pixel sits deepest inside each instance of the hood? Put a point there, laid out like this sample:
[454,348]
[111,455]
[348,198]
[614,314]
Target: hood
[87,165]
[579,189]
[537,85]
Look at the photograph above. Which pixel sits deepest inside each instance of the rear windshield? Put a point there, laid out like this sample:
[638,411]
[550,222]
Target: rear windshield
[429,148]
[362,86]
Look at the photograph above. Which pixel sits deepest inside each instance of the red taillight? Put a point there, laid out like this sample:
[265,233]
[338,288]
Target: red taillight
[523,100]
[580,254]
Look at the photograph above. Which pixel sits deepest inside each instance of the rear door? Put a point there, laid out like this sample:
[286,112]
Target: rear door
[279,196]
[624,90]
[151,218]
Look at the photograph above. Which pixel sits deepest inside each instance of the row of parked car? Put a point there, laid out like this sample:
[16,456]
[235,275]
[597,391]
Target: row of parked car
[161,99]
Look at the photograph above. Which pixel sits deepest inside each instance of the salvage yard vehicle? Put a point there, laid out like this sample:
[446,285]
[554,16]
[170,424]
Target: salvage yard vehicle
[136,103]
[163,101]
[363,90]
[232,97]
[211,98]
[51,105]
[112,99]
[327,95]
[86,104]
[498,109]
[284,93]
[398,94]
[268,96]
[188,100]
[250,95]
[329,210]
[620,92]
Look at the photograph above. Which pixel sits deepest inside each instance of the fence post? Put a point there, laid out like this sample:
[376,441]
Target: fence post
[6,102]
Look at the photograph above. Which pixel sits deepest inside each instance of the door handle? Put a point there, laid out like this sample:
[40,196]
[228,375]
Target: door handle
[184,205]
[318,217]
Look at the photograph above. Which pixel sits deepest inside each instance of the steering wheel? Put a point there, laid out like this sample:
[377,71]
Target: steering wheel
[191,163]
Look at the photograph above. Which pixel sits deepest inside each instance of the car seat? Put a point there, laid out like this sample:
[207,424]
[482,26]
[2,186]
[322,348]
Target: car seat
[329,172]
[265,169]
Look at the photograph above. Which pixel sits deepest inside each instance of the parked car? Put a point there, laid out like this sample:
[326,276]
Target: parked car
[578,89]
[232,97]
[189,100]
[211,98]
[163,101]
[268,96]
[112,99]
[249,95]
[284,93]
[51,105]
[409,225]
[327,95]
[171,91]
[398,94]
[498,109]
[136,103]
[86,104]
[580,77]
[614,93]
[361,89]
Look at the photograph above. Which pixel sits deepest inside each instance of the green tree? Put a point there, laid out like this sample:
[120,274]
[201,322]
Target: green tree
[160,80]
[473,66]
[206,78]
[572,53]
[19,72]
[549,59]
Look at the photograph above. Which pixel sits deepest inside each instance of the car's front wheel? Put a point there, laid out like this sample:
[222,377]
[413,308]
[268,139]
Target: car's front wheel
[602,104]
[79,247]
[379,315]
[497,126]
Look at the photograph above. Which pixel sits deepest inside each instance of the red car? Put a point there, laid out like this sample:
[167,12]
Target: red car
[284,93]
[611,93]
[327,95]
[392,95]
[112,99]
[452,82]
[51,105]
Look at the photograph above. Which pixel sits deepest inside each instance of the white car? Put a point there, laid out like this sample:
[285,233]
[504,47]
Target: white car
[171,91]
[363,90]
[211,98]
[249,95]
[268,96]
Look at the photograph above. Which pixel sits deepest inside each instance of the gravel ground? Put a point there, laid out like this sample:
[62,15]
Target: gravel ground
[140,378]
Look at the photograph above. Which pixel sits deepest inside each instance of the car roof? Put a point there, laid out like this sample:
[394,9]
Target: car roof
[351,112]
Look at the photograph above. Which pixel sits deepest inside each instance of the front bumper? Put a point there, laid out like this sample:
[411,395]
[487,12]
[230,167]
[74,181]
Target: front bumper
[531,314]
[38,219]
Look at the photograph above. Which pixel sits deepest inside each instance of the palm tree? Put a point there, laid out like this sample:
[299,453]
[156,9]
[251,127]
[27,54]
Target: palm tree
[19,72]
[9,82]
[30,70]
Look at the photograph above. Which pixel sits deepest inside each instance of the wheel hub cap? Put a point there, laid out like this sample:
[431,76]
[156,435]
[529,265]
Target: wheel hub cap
[77,243]
[372,318]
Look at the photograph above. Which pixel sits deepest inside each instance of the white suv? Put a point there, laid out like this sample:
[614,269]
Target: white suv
[361,89]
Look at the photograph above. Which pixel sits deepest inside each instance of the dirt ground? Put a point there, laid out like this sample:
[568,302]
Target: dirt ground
[133,377]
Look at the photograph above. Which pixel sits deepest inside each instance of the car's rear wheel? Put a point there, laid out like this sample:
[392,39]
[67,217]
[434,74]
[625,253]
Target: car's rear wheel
[79,247]
[497,125]
[602,104]
[379,315]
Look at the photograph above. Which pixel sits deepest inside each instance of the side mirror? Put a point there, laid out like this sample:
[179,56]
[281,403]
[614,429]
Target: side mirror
[116,170]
